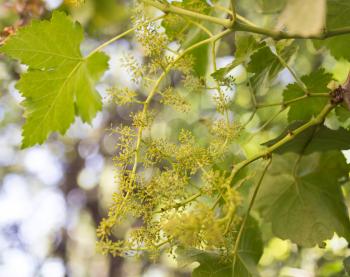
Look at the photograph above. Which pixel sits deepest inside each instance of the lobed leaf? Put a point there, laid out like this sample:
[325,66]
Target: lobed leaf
[301,196]
[46,44]
[59,83]
[266,65]
[245,47]
[316,82]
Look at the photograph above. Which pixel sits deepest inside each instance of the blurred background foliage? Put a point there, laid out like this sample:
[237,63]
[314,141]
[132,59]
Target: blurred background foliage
[52,197]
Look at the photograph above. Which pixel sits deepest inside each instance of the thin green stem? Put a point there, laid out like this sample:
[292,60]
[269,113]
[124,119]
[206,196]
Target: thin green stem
[156,246]
[200,26]
[218,88]
[245,20]
[230,217]
[253,99]
[278,35]
[222,8]
[265,124]
[233,8]
[295,76]
[181,204]
[238,16]
[250,118]
[168,8]
[99,48]
[314,94]
[286,103]
[251,92]
[217,201]
[315,121]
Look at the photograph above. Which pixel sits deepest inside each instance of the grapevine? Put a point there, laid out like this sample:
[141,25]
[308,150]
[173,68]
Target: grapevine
[203,195]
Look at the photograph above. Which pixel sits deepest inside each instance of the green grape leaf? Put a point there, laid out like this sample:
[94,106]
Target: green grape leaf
[214,265]
[337,17]
[314,139]
[245,47]
[316,82]
[304,17]
[301,196]
[265,64]
[46,44]
[59,83]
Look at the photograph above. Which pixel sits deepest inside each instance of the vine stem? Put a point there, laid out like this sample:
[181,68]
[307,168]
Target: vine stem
[181,204]
[167,8]
[200,26]
[233,8]
[283,104]
[295,76]
[156,246]
[278,35]
[245,219]
[266,152]
[100,47]
[239,25]
[238,16]
[286,103]
[218,88]
[272,118]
